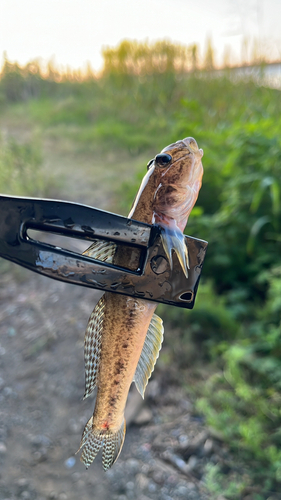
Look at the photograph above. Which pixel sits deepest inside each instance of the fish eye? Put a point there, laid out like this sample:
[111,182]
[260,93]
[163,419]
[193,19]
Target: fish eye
[150,163]
[163,159]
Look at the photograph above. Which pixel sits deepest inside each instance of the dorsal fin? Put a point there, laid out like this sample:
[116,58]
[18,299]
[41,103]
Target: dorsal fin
[150,352]
[92,347]
[101,250]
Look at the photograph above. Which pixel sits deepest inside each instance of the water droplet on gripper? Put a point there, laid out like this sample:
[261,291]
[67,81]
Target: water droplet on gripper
[114,286]
[159,264]
[88,229]
[69,222]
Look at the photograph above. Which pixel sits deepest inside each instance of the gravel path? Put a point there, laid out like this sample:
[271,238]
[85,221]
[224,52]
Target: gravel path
[42,414]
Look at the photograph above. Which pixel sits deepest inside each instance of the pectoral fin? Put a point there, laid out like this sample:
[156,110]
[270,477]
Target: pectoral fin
[173,239]
[149,354]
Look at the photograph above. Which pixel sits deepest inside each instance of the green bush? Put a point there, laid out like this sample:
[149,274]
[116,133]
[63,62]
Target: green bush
[243,401]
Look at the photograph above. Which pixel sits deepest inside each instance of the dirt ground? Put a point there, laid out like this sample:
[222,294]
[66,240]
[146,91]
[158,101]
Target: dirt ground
[42,414]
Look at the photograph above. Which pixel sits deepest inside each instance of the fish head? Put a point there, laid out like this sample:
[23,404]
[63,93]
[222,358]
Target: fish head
[171,185]
[178,175]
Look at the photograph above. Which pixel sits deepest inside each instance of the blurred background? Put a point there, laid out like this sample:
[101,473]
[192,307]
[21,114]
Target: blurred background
[89,93]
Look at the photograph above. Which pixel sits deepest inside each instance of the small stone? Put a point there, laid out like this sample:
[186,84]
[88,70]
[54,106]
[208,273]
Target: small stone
[80,484]
[145,468]
[158,477]
[37,414]
[192,462]
[37,456]
[133,465]
[22,485]
[182,491]
[130,485]
[2,351]
[183,439]
[21,297]
[186,405]
[3,448]
[70,462]
[146,447]
[110,474]
[130,495]
[172,479]
[25,495]
[53,495]
[190,486]
[144,417]
[142,481]
[74,426]
[215,458]
[63,496]
[22,481]
[8,391]
[76,476]
[208,447]
[11,332]
[153,389]
[179,462]
[40,440]
[152,487]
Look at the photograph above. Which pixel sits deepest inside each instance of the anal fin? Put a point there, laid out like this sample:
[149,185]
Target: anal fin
[149,354]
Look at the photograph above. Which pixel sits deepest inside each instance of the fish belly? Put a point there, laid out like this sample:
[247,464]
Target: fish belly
[125,325]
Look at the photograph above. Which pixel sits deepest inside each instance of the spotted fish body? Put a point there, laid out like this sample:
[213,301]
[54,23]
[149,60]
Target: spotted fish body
[124,335]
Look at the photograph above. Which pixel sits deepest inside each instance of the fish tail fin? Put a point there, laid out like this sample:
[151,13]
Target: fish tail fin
[94,439]
[173,239]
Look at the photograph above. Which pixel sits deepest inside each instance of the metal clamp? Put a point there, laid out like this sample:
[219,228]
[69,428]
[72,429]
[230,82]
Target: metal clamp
[152,280]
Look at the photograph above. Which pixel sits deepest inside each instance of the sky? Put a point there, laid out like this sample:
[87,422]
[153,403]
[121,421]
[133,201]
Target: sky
[73,32]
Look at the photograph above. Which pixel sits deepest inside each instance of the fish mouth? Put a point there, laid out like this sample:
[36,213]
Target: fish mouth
[189,143]
[192,145]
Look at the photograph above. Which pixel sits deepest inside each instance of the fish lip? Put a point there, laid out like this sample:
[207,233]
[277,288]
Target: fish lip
[188,143]
[189,140]
[192,145]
